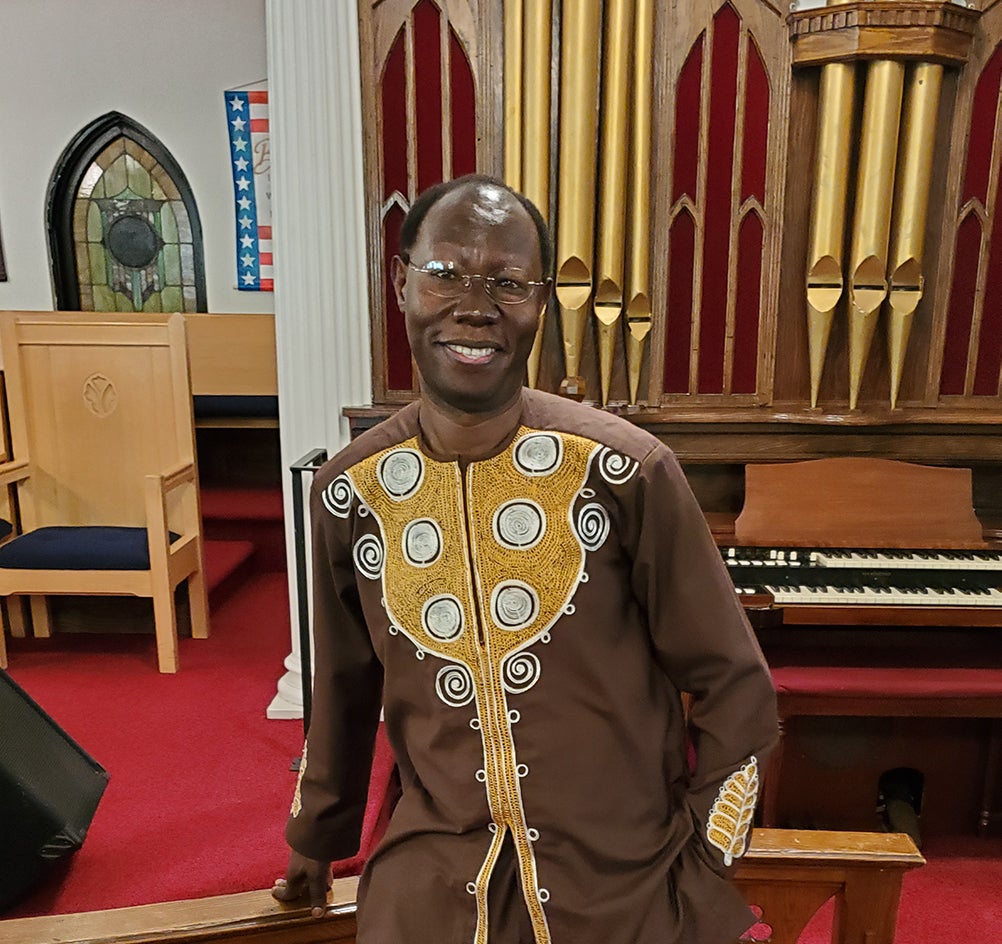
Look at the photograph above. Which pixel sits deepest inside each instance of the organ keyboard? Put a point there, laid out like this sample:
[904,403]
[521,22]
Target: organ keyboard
[863,541]
[860,577]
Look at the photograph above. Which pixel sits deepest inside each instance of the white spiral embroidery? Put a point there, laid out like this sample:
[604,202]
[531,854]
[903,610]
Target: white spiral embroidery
[521,671]
[454,685]
[538,454]
[442,617]
[368,555]
[337,496]
[592,526]
[615,467]
[519,525]
[400,473]
[514,604]
[422,542]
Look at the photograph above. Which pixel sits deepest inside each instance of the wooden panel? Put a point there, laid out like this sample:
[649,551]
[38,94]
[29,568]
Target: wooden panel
[857,502]
[232,355]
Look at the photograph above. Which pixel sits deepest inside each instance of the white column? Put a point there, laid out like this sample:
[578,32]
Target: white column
[321,293]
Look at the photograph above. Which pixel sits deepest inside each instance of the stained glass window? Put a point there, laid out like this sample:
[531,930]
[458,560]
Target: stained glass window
[134,243]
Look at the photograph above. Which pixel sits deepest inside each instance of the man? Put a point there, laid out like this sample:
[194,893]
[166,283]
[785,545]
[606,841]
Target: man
[526,585]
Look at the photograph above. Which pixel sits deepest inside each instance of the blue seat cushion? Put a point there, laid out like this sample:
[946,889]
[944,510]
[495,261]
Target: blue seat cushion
[5,528]
[78,548]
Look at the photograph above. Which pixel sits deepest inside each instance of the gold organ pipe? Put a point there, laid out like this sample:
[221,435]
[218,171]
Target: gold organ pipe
[535,122]
[614,137]
[911,206]
[638,308]
[871,229]
[513,18]
[579,75]
[827,235]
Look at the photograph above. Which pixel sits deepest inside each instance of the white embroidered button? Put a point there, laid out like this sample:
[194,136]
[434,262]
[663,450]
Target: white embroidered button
[538,454]
[400,473]
[442,617]
[422,542]
[514,604]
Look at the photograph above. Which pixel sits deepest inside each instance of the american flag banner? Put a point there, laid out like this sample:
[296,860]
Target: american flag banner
[247,121]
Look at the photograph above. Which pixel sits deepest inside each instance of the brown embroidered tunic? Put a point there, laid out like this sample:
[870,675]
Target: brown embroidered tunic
[528,622]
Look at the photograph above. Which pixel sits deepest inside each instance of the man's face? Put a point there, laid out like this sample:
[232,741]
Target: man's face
[471,350]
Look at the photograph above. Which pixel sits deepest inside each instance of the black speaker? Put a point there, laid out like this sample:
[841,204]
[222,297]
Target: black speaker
[49,791]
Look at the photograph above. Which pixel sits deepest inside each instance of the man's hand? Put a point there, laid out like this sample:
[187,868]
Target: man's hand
[305,877]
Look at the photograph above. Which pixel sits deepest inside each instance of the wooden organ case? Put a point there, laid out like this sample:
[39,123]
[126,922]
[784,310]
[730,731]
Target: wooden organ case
[778,239]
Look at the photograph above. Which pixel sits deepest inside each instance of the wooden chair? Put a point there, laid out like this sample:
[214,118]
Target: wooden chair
[103,459]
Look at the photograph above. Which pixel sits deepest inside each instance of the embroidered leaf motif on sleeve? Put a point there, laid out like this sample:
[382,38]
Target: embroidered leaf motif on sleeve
[731,814]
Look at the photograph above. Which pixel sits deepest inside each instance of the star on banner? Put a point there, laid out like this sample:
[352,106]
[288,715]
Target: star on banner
[237,104]
[247,260]
[238,124]
[241,164]
[246,241]
[245,222]
[243,203]
[248,278]
[239,144]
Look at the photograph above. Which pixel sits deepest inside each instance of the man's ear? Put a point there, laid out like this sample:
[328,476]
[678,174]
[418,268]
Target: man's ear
[547,293]
[398,274]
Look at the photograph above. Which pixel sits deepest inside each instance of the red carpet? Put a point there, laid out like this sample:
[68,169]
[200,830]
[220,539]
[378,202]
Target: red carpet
[200,782]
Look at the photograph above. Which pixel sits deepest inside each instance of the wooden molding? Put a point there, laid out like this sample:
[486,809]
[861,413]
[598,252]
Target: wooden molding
[931,32]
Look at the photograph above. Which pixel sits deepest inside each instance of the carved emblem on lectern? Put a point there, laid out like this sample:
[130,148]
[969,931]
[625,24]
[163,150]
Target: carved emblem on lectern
[100,395]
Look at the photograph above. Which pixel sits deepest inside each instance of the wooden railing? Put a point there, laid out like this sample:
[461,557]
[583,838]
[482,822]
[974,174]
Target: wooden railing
[788,874]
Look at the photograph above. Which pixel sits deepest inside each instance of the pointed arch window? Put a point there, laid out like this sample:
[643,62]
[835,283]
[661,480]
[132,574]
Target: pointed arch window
[124,230]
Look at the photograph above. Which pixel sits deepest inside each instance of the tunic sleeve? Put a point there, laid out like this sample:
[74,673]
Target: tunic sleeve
[705,645]
[329,804]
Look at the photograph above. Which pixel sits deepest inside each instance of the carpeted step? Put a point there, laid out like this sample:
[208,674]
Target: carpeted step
[223,559]
[247,514]
[242,504]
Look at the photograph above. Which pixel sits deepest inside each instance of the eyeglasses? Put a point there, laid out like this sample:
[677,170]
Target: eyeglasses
[439,278]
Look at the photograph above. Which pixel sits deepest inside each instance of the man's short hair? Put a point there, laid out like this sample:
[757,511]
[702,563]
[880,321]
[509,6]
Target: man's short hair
[426,200]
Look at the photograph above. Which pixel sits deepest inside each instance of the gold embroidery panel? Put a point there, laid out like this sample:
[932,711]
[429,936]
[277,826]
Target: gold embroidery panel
[493,543]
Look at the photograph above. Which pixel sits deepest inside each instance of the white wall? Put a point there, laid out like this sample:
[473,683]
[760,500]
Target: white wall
[163,63]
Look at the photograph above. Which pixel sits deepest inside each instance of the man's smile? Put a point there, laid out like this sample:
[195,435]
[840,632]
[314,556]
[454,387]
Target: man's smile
[476,353]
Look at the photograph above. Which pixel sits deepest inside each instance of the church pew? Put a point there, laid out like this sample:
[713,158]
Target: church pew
[234,373]
[788,874]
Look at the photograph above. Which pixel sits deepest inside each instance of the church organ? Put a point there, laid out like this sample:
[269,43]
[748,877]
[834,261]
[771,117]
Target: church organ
[778,232]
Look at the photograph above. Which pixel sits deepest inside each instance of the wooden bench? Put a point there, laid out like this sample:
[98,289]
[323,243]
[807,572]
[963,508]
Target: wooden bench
[234,372]
[788,874]
[233,368]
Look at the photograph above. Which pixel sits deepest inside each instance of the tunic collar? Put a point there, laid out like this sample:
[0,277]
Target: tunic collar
[445,439]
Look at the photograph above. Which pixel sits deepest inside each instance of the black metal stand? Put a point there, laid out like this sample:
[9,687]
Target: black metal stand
[308,463]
